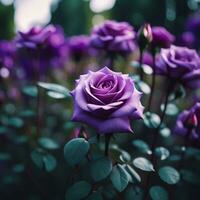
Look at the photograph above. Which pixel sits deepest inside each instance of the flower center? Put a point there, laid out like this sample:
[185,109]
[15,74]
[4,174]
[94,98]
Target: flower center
[106,84]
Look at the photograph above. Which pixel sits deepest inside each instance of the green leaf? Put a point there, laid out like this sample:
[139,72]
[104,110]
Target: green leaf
[5,157]
[95,196]
[78,191]
[143,164]
[135,176]
[56,91]
[30,91]
[162,153]
[134,193]
[16,122]
[100,169]
[108,191]
[151,120]
[142,146]
[169,175]
[56,95]
[119,178]
[37,158]
[125,156]
[190,177]
[49,162]
[3,130]
[18,168]
[171,109]
[48,143]
[142,86]
[158,193]
[75,150]
[165,132]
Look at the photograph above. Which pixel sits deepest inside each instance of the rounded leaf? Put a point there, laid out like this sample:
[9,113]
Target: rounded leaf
[143,164]
[75,150]
[158,193]
[142,146]
[169,175]
[134,193]
[78,191]
[48,143]
[135,176]
[100,169]
[95,196]
[49,162]
[151,120]
[119,178]
[162,153]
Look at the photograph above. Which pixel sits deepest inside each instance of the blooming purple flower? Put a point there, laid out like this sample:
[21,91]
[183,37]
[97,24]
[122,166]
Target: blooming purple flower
[107,101]
[189,120]
[161,37]
[7,54]
[114,37]
[41,47]
[147,58]
[187,39]
[193,26]
[80,46]
[180,64]
[193,23]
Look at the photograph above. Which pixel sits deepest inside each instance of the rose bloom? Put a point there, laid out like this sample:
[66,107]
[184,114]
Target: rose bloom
[41,48]
[79,47]
[7,54]
[180,64]
[161,37]
[115,37]
[107,101]
[189,119]
[187,39]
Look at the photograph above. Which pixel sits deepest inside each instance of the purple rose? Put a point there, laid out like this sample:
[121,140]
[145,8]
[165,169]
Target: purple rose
[7,54]
[187,39]
[115,37]
[41,48]
[80,46]
[193,26]
[180,64]
[193,23]
[189,120]
[147,58]
[161,37]
[107,101]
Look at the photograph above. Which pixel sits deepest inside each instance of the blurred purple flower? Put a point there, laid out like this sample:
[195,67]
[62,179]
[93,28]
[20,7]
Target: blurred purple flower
[41,48]
[180,64]
[7,54]
[107,101]
[193,23]
[80,46]
[187,39]
[114,37]
[161,37]
[193,26]
[189,120]
[147,58]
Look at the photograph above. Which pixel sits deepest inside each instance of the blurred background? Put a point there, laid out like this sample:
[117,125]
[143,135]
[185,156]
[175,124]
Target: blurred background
[78,16]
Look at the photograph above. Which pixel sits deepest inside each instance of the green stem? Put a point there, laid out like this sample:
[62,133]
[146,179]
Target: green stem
[186,143]
[140,66]
[152,85]
[156,134]
[107,142]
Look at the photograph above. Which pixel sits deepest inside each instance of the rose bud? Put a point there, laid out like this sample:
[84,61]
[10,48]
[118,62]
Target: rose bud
[189,120]
[144,36]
